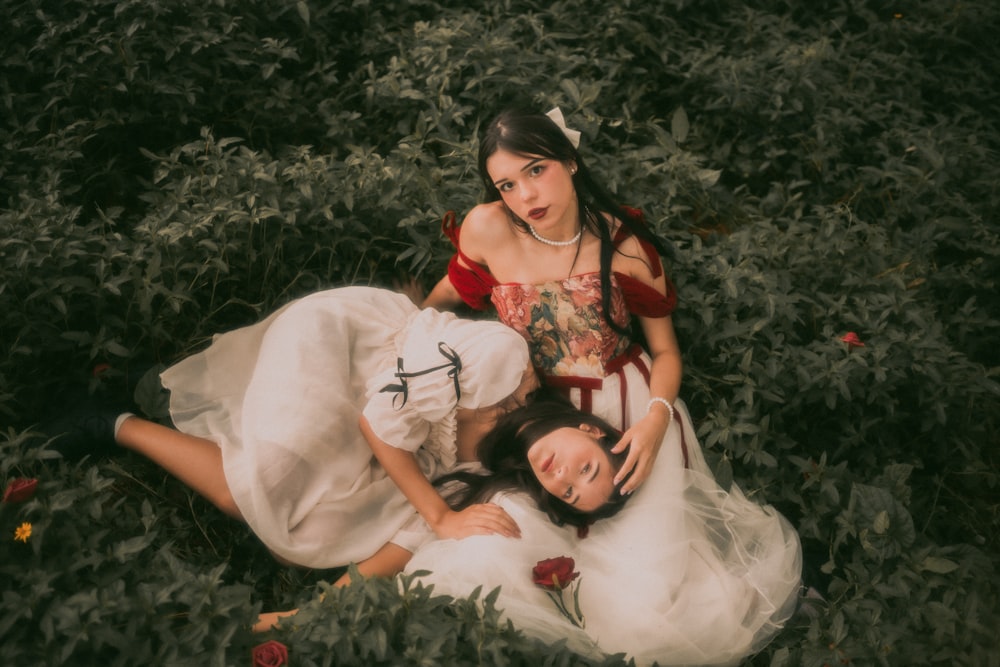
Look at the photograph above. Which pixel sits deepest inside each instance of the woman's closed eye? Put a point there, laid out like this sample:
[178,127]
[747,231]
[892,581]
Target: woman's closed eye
[585,470]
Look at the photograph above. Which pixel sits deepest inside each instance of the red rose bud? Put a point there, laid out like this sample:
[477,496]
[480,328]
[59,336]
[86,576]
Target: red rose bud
[20,490]
[100,369]
[554,574]
[270,654]
[852,340]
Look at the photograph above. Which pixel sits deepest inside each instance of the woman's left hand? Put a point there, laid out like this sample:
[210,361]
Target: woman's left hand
[476,519]
[643,441]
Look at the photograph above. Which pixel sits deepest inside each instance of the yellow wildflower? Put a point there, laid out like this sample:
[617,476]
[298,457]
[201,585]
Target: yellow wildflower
[23,532]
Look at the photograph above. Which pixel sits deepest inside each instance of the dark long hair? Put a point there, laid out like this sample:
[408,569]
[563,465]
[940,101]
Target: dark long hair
[526,132]
[504,454]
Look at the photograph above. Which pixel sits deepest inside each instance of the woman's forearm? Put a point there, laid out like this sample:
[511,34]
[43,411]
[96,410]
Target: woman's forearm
[404,470]
[665,376]
[666,368]
[443,296]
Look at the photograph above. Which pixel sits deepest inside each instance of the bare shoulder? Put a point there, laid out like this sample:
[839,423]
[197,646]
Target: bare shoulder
[485,227]
[488,218]
[629,245]
[631,259]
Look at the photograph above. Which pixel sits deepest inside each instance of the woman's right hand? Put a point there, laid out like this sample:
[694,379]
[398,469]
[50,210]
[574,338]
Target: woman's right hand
[269,620]
[481,519]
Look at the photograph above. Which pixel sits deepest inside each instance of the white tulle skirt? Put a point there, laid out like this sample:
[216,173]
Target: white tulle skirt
[686,574]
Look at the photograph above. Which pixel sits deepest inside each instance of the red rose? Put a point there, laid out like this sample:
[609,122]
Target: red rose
[852,340]
[19,490]
[270,654]
[554,574]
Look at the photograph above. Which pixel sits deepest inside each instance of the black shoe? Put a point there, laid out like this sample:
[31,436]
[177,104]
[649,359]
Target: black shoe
[84,431]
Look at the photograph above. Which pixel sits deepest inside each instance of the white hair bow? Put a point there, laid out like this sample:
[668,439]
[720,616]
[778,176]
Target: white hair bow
[556,115]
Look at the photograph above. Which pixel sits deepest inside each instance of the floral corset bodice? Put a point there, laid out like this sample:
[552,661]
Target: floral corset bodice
[564,324]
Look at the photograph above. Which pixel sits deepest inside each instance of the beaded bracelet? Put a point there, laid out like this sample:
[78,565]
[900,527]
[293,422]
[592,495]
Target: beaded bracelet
[657,399]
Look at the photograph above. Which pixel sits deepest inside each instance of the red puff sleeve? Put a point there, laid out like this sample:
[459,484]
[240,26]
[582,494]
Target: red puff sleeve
[645,301]
[640,298]
[473,282]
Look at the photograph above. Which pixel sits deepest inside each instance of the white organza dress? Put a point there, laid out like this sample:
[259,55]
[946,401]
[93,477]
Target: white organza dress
[282,399]
[685,574]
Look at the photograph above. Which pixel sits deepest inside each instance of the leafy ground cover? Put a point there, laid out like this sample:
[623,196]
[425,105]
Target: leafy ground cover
[173,169]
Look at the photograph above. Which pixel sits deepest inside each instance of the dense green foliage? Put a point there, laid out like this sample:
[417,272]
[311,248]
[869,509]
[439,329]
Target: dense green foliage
[169,169]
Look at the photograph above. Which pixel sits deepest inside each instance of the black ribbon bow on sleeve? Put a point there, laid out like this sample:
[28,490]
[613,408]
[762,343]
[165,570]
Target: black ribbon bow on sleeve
[454,365]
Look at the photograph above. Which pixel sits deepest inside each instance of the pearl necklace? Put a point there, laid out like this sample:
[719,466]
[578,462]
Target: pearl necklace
[539,237]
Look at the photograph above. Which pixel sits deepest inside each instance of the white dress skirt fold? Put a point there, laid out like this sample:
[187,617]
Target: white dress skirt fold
[686,574]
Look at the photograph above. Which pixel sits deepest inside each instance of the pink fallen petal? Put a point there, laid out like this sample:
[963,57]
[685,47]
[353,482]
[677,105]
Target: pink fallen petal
[852,340]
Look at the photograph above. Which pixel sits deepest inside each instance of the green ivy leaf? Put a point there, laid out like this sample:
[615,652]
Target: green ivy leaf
[302,8]
[880,521]
[679,126]
[938,565]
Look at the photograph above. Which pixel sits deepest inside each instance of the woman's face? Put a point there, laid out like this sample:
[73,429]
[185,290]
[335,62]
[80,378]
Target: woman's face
[537,190]
[572,466]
